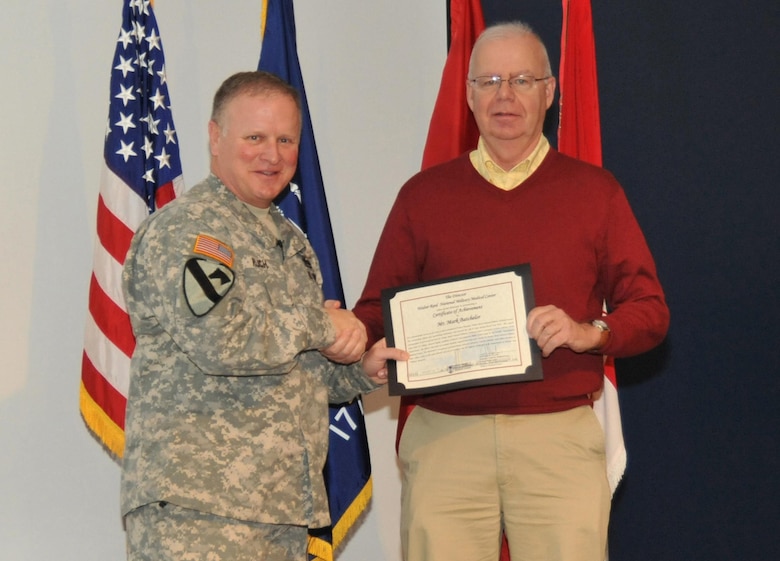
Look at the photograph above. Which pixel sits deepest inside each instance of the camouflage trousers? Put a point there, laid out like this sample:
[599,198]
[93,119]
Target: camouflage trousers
[166,532]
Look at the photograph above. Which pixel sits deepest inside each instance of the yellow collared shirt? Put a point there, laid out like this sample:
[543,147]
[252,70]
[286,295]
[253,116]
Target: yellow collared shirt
[508,180]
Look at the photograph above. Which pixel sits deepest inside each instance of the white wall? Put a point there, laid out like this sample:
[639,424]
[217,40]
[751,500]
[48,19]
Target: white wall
[371,71]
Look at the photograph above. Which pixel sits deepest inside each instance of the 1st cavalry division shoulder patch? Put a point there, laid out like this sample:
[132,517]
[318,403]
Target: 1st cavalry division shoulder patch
[205,284]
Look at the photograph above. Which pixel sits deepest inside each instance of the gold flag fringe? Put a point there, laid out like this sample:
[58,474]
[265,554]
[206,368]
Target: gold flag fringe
[321,549]
[105,430]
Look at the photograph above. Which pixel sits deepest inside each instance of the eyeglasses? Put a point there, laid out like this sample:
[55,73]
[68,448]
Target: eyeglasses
[521,83]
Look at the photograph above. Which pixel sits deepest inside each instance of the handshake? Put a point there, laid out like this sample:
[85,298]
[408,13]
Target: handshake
[350,344]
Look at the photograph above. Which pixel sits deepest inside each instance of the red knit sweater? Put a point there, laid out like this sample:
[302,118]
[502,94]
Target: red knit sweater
[571,221]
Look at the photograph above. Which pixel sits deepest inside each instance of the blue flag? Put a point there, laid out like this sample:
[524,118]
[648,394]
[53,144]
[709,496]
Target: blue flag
[348,469]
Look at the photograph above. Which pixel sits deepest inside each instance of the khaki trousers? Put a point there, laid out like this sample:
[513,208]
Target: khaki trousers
[540,478]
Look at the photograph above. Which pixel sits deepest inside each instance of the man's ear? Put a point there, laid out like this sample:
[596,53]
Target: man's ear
[549,90]
[470,95]
[214,134]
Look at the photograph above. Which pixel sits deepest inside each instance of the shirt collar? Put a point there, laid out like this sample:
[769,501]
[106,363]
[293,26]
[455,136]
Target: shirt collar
[510,179]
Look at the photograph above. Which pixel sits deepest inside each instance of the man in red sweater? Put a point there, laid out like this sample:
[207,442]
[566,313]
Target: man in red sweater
[528,457]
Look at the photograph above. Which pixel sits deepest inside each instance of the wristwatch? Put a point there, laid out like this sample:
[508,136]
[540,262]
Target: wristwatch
[602,326]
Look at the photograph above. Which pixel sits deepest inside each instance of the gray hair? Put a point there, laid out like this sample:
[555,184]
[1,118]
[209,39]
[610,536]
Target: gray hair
[510,29]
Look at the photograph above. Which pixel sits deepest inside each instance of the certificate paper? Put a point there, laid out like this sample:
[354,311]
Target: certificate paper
[461,332]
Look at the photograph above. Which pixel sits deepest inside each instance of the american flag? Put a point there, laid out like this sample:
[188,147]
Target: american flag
[142,172]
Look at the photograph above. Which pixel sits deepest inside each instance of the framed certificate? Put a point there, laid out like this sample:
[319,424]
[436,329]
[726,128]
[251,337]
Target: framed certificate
[462,332]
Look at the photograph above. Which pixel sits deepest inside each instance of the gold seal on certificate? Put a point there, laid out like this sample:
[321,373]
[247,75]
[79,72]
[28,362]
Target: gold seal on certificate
[462,331]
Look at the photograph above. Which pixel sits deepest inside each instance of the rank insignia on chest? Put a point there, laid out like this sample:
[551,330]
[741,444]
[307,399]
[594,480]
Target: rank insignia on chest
[309,268]
[206,282]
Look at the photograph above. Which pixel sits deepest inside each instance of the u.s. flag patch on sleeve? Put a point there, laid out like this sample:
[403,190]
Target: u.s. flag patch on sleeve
[212,247]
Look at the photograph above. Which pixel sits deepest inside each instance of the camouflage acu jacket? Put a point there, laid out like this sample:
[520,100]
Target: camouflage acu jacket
[227,407]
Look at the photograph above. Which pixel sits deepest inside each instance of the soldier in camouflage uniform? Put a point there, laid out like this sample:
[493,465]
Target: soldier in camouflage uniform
[227,414]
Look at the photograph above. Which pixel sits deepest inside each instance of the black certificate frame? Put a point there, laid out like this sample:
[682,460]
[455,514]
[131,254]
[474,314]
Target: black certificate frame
[470,292]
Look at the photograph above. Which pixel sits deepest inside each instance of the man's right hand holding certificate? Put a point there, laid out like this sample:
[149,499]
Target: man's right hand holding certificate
[552,328]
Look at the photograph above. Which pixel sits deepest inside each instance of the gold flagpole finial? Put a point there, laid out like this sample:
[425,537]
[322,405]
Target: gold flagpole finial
[263,12]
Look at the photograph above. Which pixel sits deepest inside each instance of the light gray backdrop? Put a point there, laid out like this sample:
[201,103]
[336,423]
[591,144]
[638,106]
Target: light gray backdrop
[371,71]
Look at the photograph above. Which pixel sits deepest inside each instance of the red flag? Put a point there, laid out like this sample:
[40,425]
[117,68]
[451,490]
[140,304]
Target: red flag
[141,173]
[453,130]
[579,132]
[579,136]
